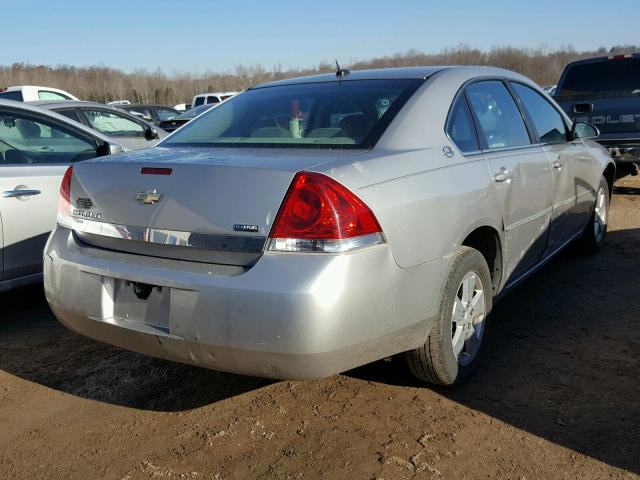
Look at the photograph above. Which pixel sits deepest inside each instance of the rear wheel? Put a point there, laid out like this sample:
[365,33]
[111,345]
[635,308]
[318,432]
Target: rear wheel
[454,346]
[595,232]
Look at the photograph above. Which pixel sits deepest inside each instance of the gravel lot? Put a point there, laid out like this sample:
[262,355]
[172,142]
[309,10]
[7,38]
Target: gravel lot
[557,396]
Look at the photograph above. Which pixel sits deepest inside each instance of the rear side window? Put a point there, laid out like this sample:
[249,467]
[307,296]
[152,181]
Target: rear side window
[199,101]
[500,122]
[460,127]
[49,95]
[213,99]
[546,119]
[606,78]
[14,95]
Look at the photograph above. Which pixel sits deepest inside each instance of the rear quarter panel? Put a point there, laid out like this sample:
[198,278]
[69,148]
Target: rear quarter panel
[433,203]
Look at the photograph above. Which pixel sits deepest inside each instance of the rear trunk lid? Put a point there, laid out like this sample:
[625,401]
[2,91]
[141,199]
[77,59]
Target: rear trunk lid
[208,205]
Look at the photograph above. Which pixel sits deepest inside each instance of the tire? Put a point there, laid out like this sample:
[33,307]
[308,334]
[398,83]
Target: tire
[593,237]
[436,362]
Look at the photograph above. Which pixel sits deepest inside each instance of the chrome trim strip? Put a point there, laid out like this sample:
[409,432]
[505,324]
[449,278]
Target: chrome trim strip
[161,236]
[343,245]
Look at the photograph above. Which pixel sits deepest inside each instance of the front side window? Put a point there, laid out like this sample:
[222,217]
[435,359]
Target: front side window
[499,120]
[460,127]
[546,119]
[348,114]
[49,95]
[112,123]
[199,101]
[31,139]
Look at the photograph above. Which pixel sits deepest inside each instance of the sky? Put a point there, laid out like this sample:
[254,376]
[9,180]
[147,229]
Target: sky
[199,36]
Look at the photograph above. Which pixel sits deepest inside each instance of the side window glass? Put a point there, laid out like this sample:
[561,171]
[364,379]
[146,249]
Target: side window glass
[199,101]
[112,123]
[546,119]
[69,113]
[460,127]
[26,139]
[499,119]
[48,95]
[212,99]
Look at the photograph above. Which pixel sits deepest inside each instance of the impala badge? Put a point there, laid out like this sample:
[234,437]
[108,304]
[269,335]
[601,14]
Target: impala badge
[149,198]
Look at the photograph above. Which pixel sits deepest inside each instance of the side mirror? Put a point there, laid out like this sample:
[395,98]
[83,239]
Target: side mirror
[584,130]
[108,148]
[151,133]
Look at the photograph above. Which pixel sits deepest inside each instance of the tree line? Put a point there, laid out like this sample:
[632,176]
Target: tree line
[104,84]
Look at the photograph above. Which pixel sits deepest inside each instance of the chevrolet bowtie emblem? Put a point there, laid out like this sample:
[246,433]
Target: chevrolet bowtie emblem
[149,198]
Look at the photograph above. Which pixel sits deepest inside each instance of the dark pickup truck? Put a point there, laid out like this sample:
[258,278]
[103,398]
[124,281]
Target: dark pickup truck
[605,91]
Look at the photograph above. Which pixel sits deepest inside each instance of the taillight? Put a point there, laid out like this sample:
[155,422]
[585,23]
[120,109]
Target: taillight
[64,199]
[319,214]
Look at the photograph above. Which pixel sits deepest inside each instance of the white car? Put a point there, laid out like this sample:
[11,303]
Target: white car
[28,93]
[36,148]
[212,97]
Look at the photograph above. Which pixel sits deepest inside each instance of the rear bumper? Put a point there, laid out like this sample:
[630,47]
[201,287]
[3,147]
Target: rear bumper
[289,316]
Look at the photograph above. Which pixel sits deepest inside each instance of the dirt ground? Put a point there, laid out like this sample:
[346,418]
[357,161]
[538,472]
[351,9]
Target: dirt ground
[556,397]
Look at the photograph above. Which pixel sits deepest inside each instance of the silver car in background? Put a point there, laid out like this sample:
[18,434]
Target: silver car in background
[312,225]
[36,148]
[128,129]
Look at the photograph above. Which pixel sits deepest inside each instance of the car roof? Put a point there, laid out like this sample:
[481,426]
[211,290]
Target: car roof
[621,56]
[373,74]
[68,103]
[418,73]
[146,105]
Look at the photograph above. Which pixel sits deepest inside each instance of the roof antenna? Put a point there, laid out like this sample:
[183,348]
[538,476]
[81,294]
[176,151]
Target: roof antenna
[341,72]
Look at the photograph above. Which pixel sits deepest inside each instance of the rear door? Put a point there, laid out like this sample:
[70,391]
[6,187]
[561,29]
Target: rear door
[520,170]
[572,199]
[34,154]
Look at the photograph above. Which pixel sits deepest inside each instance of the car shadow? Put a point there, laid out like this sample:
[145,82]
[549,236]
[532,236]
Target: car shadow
[561,363]
[562,358]
[35,347]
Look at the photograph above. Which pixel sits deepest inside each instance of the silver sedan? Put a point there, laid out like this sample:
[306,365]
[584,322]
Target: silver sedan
[312,225]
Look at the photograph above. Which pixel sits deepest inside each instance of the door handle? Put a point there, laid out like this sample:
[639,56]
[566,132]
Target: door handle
[503,176]
[20,193]
[557,165]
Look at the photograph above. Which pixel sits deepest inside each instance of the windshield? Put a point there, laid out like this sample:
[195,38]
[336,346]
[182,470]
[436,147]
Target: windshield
[348,114]
[193,112]
[607,78]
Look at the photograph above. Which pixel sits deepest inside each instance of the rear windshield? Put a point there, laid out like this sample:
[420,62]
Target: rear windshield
[348,114]
[607,78]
